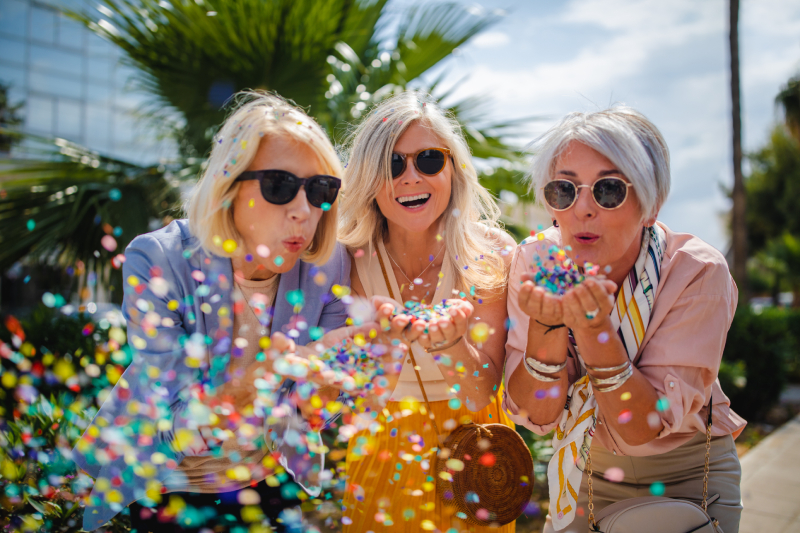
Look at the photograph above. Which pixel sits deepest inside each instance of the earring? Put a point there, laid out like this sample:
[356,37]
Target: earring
[555,223]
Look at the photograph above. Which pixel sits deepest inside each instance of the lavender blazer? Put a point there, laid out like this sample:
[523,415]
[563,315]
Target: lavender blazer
[196,296]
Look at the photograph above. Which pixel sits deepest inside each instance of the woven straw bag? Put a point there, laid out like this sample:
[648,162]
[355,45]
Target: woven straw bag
[484,470]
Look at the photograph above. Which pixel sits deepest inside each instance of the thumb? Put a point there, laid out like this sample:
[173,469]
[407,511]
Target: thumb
[282,343]
[609,285]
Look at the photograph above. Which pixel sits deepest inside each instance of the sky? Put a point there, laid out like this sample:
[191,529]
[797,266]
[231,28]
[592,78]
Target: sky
[668,59]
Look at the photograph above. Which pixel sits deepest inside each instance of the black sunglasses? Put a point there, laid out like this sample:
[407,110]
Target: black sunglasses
[608,193]
[428,161]
[279,187]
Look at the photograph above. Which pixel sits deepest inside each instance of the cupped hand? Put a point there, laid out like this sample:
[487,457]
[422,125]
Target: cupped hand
[539,304]
[444,330]
[588,305]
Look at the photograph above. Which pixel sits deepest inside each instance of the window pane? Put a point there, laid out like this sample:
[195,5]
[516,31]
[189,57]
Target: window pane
[52,59]
[70,33]
[56,85]
[40,112]
[13,50]
[14,18]
[43,25]
[98,93]
[100,68]
[68,123]
[13,76]
[98,128]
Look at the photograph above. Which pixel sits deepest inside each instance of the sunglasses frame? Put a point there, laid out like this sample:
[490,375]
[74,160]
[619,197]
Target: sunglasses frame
[261,174]
[445,151]
[591,188]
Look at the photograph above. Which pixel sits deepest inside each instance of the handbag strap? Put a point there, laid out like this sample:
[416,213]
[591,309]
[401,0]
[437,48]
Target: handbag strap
[413,360]
[593,525]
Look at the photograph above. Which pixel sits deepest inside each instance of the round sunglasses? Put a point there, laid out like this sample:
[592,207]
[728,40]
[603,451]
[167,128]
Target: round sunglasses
[428,161]
[608,193]
[279,187]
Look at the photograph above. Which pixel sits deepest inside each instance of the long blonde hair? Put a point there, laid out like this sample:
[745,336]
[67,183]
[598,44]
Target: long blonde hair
[256,115]
[470,219]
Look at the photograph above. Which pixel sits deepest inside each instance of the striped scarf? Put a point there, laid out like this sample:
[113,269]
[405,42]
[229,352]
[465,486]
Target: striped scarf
[573,437]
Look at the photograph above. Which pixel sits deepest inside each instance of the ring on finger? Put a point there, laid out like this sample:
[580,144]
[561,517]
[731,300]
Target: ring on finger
[591,314]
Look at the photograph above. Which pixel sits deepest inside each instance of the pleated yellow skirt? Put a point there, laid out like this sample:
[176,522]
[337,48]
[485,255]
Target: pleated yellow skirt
[390,484]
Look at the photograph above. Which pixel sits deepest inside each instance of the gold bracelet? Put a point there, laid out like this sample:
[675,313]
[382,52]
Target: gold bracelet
[433,349]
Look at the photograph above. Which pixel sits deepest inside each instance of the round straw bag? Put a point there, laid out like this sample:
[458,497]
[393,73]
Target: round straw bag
[491,471]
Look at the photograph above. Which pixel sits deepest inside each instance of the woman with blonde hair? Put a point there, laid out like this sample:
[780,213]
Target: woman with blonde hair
[422,229]
[206,298]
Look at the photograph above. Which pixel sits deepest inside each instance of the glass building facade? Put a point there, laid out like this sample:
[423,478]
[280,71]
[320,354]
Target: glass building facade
[71,82]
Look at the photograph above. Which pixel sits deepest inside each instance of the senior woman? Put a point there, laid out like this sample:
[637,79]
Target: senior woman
[422,229]
[624,367]
[182,429]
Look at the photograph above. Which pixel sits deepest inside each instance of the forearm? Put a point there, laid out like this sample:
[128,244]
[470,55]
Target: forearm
[542,401]
[624,409]
[470,373]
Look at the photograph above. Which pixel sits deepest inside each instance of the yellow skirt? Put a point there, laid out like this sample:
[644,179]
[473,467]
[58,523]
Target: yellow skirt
[390,485]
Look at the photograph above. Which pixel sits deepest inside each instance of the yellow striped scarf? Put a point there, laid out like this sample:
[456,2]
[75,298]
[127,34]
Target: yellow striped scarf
[573,436]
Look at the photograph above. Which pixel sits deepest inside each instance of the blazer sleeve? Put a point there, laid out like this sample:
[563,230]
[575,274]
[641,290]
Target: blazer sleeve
[334,312]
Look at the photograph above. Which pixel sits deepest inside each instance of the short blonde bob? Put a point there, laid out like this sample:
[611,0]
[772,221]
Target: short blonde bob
[256,115]
[470,219]
[626,137]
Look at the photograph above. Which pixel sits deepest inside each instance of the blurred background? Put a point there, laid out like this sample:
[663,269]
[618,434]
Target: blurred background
[107,109]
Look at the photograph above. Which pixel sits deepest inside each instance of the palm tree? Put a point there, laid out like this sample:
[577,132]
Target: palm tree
[789,100]
[334,57]
[739,193]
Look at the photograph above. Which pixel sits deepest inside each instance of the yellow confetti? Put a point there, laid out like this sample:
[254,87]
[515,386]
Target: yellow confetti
[133,281]
[217,240]
[316,402]
[438,238]
[251,203]
[206,308]
[173,305]
[264,343]
[540,236]
[229,246]
[244,145]
[480,332]
[340,291]
[625,396]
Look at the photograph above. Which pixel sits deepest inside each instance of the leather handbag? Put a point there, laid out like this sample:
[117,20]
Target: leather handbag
[656,514]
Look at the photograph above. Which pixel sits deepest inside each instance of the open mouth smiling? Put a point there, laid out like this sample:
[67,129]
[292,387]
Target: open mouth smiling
[417,200]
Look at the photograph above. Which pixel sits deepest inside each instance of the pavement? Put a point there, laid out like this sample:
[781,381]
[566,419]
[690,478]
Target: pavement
[771,483]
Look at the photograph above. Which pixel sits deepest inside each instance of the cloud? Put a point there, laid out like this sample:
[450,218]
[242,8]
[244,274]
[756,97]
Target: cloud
[491,39]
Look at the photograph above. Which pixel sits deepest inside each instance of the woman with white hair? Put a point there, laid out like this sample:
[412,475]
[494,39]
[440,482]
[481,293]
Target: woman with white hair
[623,365]
[209,301]
[422,229]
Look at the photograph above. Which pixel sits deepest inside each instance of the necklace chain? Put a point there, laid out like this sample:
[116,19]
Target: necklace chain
[410,282]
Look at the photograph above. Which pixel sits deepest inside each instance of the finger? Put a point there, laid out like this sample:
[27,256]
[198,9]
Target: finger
[601,295]
[379,301]
[588,302]
[282,343]
[435,333]
[461,322]
[610,286]
[551,306]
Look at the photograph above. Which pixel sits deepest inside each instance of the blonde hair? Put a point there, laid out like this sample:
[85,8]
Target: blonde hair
[470,218]
[256,115]
[626,137]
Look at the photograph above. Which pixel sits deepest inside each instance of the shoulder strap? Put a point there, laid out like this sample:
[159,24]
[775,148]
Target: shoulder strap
[411,354]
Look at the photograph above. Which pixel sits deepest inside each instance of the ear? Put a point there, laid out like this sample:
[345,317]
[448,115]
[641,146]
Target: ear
[649,221]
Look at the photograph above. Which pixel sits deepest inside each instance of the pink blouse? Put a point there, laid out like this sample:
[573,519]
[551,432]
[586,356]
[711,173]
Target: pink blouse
[682,347]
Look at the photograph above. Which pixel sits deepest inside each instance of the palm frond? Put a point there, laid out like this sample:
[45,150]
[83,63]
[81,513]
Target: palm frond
[789,100]
[62,199]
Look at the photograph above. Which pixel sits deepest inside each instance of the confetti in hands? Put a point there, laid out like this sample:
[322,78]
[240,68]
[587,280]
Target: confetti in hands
[557,273]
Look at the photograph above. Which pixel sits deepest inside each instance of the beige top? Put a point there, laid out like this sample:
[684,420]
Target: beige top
[252,301]
[681,351]
[372,279]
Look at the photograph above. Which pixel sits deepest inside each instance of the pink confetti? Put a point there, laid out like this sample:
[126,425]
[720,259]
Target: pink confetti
[359,253]
[602,338]
[614,474]
[109,243]
[262,250]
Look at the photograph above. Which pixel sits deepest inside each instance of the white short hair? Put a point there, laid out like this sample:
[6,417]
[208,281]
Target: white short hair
[623,135]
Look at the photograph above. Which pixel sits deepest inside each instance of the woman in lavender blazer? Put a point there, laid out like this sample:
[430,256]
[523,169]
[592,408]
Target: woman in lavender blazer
[207,299]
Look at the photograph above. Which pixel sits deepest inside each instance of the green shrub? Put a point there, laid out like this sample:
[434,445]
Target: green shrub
[754,367]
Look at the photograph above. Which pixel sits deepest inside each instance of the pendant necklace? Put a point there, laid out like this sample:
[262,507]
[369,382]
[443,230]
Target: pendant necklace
[410,282]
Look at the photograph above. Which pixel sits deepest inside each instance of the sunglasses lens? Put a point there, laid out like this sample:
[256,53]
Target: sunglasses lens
[321,190]
[279,188]
[610,192]
[430,162]
[398,165]
[559,194]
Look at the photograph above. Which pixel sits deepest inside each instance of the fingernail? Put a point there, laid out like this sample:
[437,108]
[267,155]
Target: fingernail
[434,328]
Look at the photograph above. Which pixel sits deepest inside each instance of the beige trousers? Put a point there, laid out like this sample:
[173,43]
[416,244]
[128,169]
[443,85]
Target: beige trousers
[681,472]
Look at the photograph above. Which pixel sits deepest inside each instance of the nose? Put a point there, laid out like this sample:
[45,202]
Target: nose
[410,175]
[299,210]
[585,206]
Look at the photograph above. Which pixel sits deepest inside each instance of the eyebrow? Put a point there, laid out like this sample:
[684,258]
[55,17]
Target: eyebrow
[601,173]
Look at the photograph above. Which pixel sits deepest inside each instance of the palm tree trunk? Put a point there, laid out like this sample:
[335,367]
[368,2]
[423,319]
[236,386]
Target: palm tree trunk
[739,199]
